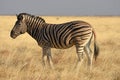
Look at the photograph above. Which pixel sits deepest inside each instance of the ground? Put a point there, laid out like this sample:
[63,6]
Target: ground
[20,58]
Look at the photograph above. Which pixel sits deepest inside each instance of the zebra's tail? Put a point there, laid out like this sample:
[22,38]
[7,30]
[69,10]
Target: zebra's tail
[96,48]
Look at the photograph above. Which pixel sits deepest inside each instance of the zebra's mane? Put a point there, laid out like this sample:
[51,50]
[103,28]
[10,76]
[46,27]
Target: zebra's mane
[33,16]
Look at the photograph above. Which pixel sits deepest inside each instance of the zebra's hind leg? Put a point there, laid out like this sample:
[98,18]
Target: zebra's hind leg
[89,54]
[79,50]
[47,53]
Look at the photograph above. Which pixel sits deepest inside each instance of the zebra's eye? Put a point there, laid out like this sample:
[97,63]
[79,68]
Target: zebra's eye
[19,24]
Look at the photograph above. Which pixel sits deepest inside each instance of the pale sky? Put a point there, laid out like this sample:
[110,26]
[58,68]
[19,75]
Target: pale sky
[61,7]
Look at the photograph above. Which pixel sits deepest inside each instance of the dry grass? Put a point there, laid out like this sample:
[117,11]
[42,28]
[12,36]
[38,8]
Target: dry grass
[20,59]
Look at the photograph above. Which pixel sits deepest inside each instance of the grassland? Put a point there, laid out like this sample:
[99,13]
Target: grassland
[20,58]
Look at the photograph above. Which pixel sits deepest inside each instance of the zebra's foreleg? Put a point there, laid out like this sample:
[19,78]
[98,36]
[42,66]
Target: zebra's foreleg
[44,58]
[49,58]
[47,52]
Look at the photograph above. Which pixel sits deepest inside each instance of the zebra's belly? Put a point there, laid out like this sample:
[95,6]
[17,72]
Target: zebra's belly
[61,46]
[55,45]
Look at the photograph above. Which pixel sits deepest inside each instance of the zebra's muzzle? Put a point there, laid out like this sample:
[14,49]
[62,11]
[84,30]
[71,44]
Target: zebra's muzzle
[13,34]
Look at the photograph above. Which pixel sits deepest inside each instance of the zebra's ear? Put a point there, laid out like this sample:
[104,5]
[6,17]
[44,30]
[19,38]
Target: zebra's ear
[16,15]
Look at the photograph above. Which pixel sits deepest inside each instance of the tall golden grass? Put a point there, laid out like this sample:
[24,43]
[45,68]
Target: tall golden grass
[20,58]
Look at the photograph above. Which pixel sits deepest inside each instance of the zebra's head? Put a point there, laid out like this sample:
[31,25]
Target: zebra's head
[20,26]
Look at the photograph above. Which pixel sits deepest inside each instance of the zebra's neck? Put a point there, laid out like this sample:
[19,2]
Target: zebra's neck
[34,26]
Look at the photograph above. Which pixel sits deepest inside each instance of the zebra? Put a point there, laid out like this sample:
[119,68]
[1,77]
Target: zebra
[60,36]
